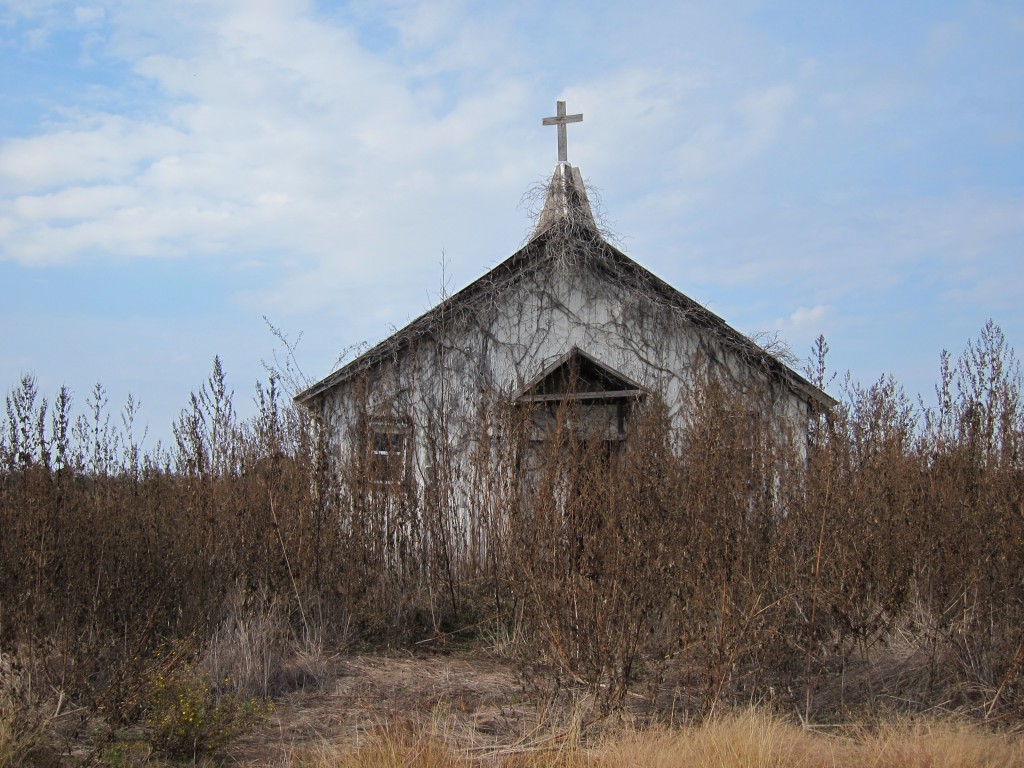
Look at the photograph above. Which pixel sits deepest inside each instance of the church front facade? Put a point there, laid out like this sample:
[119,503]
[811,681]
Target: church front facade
[567,321]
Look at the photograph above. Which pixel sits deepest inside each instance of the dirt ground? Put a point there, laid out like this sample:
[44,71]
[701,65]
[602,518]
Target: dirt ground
[471,699]
[474,699]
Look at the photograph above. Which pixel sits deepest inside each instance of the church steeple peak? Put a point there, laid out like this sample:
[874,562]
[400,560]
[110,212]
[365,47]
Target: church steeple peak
[565,198]
[566,201]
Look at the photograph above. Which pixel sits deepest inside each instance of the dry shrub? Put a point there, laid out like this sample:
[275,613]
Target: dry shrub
[973,533]
[672,548]
[764,576]
[254,653]
[590,571]
[723,564]
[246,653]
[25,715]
[741,552]
[110,553]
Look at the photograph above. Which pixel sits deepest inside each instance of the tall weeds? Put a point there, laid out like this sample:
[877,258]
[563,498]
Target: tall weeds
[729,562]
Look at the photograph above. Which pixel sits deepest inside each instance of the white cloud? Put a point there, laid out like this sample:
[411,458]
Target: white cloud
[86,15]
[733,138]
[804,323]
[284,139]
[73,203]
[943,40]
[100,148]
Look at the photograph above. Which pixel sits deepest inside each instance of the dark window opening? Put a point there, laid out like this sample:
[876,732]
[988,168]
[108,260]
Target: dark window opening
[388,455]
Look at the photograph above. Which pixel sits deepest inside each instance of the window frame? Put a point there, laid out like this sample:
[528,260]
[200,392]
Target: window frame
[387,451]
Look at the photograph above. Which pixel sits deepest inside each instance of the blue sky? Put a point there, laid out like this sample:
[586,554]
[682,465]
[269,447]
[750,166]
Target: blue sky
[171,173]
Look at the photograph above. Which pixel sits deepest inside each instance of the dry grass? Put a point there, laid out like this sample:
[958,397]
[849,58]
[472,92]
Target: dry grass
[748,739]
[941,744]
[24,716]
[461,711]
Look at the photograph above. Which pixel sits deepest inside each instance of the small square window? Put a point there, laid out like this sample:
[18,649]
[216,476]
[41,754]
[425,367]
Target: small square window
[388,449]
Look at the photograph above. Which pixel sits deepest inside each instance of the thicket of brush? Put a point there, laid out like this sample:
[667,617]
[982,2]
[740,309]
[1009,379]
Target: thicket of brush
[719,565]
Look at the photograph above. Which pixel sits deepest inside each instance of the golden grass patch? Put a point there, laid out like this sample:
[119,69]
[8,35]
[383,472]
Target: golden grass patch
[747,739]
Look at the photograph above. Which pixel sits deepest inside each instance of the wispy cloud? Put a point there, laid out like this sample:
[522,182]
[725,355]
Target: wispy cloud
[804,325]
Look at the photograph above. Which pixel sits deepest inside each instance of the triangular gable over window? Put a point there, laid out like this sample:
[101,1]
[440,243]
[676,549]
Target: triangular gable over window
[579,376]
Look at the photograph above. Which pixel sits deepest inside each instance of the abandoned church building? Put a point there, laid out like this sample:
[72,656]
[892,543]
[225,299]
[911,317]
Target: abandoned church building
[567,319]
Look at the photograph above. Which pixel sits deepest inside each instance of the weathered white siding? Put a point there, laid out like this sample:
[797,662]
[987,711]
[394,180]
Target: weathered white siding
[483,353]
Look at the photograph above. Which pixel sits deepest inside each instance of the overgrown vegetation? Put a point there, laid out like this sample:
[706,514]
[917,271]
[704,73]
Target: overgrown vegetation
[718,566]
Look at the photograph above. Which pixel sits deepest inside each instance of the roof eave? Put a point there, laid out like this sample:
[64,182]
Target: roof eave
[423,324]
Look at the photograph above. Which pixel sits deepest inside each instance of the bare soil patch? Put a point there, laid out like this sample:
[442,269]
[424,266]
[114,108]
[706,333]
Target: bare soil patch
[473,698]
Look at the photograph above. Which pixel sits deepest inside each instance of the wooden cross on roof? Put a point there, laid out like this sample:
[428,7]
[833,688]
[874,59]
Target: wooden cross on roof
[561,119]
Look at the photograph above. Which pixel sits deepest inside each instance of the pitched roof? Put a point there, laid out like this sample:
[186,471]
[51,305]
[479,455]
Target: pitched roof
[567,218]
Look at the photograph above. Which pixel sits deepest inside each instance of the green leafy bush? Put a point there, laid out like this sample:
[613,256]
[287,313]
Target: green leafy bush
[189,714]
